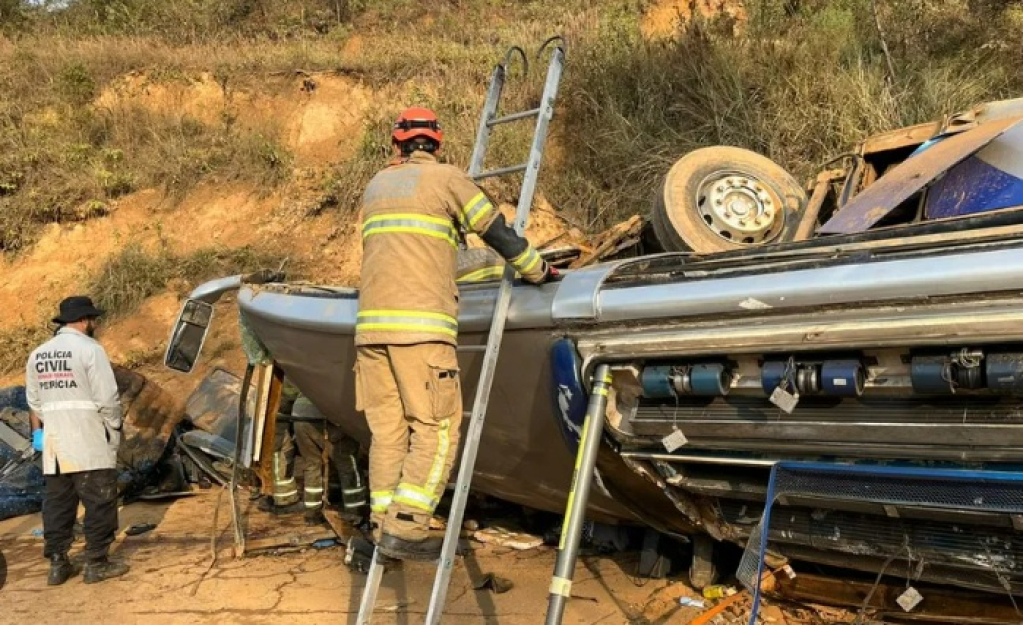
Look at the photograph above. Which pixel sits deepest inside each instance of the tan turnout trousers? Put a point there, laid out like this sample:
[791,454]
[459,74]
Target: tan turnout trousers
[413,404]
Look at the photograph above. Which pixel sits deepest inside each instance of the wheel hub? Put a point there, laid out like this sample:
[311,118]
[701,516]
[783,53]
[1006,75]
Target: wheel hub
[739,208]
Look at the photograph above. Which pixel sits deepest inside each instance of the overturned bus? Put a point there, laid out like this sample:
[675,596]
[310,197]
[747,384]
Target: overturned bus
[892,313]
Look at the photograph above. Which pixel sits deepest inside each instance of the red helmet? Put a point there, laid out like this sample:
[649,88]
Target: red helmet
[416,122]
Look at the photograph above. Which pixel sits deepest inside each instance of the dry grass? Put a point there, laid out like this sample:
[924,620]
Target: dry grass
[799,85]
[131,276]
[18,342]
[62,158]
[800,89]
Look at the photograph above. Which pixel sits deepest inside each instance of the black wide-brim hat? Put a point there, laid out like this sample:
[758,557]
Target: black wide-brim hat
[76,308]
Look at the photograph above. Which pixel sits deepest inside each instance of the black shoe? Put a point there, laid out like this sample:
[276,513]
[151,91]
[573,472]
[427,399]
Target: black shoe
[315,517]
[104,569]
[424,550]
[61,570]
[267,505]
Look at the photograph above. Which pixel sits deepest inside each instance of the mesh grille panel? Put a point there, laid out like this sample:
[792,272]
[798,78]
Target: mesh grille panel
[982,491]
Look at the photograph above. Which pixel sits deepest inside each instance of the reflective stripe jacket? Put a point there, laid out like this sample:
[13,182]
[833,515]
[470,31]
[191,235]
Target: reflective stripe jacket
[70,385]
[410,217]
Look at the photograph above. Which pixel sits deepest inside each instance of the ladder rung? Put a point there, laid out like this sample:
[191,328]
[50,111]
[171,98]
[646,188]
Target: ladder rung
[514,117]
[502,171]
[471,348]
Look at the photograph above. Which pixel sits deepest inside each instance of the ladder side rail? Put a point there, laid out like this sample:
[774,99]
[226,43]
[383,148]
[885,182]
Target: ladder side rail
[550,94]
[369,592]
[479,150]
[485,383]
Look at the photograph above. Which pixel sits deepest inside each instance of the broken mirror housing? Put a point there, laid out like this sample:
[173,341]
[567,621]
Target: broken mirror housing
[189,335]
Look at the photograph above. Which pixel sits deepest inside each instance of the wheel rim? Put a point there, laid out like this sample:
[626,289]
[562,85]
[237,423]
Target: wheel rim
[739,208]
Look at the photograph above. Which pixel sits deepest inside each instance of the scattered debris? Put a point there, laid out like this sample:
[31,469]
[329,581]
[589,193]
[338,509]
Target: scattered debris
[507,538]
[909,599]
[950,605]
[718,591]
[150,417]
[773,614]
[691,602]
[611,241]
[324,543]
[288,542]
[709,615]
[139,528]
[493,582]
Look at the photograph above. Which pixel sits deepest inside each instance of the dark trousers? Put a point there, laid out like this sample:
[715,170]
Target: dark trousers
[97,490]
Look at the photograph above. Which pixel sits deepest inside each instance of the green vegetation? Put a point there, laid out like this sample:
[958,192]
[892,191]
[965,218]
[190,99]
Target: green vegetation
[799,81]
[135,273]
[127,278]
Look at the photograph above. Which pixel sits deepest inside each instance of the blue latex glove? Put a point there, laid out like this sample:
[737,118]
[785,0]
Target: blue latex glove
[37,440]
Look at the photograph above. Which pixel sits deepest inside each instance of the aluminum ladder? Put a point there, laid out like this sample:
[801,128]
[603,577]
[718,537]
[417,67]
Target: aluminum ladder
[531,169]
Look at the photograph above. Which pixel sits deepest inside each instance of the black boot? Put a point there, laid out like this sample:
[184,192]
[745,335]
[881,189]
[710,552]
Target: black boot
[61,569]
[267,504]
[359,556]
[402,549]
[315,517]
[100,570]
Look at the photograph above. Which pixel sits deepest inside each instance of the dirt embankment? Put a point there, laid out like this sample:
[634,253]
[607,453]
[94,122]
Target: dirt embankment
[664,18]
[320,119]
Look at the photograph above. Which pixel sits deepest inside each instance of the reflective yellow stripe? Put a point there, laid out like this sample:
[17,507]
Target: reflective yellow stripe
[481,275]
[415,499]
[525,261]
[406,320]
[476,208]
[379,500]
[443,446]
[411,223]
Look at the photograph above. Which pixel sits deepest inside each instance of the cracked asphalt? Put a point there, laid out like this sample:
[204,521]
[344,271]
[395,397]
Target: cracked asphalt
[172,580]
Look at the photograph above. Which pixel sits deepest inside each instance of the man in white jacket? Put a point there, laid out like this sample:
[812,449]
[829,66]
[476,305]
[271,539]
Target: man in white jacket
[71,390]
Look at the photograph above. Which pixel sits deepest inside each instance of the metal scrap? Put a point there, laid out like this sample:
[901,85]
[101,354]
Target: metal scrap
[895,187]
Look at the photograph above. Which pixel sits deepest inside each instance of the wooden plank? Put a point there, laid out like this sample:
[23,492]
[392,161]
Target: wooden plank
[270,404]
[607,241]
[940,604]
[342,528]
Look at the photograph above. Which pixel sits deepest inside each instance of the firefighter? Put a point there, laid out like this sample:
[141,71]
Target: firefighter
[319,439]
[71,390]
[406,369]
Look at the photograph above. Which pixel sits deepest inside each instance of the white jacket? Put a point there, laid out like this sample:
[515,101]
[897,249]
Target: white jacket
[70,385]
